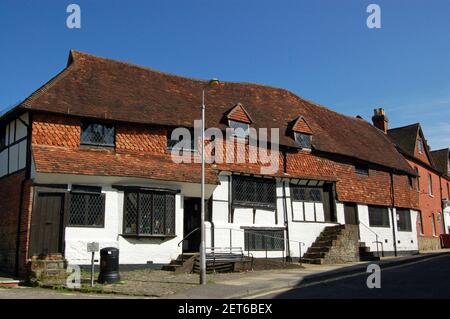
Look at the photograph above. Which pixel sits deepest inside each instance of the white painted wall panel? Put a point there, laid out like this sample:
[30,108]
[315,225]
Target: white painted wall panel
[340,213]
[4,163]
[21,130]
[243,216]
[22,154]
[13,158]
[320,214]
[220,212]
[264,217]
[298,211]
[221,191]
[309,211]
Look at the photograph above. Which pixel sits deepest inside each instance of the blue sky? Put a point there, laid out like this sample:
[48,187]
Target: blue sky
[321,50]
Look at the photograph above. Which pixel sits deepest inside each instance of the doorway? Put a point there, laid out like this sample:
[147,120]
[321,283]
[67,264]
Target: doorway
[351,214]
[192,221]
[328,203]
[47,225]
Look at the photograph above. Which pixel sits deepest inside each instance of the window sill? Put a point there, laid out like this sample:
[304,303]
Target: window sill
[147,236]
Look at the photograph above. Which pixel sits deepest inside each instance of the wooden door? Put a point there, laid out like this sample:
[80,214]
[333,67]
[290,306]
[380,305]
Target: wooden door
[192,218]
[351,214]
[47,222]
[328,203]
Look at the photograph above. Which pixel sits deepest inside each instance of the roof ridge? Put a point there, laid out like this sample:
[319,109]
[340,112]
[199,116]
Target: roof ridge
[146,68]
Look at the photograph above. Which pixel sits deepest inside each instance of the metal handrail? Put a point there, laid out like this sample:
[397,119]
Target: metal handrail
[376,239]
[300,243]
[190,233]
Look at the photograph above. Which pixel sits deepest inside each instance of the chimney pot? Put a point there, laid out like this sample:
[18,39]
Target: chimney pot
[380,119]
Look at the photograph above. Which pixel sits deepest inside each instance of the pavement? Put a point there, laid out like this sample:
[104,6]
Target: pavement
[292,283]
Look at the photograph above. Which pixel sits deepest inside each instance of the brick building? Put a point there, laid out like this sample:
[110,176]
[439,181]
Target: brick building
[441,159]
[87,157]
[429,183]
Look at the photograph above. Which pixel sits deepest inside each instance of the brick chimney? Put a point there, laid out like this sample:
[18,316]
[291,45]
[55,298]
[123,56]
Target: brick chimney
[380,120]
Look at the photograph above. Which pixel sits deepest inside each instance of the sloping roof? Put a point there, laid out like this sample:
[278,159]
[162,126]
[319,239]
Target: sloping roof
[96,87]
[440,160]
[405,137]
[50,159]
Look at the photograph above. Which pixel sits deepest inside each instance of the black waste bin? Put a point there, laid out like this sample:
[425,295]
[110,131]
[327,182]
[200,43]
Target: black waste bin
[109,265]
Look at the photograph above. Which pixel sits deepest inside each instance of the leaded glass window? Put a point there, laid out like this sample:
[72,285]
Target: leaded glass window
[306,194]
[241,129]
[149,213]
[253,192]
[86,209]
[97,134]
[403,219]
[379,216]
[303,140]
[270,240]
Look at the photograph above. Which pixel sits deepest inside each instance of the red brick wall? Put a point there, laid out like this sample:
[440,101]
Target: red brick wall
[10,188]
[430,206]
[445,186]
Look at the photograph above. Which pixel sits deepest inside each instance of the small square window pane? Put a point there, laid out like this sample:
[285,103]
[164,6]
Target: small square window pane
[241,129]
[303,140]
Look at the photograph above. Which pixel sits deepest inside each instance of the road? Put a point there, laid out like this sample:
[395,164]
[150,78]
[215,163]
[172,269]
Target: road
[429,278]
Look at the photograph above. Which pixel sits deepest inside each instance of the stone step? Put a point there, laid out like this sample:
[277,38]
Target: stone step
[315,255]
[315,261]
[322,249]
[186,256]
[328,237]
[171,267]
[323,243]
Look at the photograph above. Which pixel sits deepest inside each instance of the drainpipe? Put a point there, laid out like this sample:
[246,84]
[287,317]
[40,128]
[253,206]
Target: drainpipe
[442,204]
[17,257]
[394,236]
[286,223]
[22,188]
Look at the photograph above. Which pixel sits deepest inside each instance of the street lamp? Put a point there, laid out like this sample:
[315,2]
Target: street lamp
[212,83]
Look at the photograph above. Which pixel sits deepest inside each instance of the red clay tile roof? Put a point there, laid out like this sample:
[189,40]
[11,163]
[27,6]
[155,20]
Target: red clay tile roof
[51,159]
[238,113]
[441,159]
[96,87]
[301,126]
[405,138]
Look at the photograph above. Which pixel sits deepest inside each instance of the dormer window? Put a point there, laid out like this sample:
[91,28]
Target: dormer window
[302,133]
[303,140]
[241,130]
[420,147]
